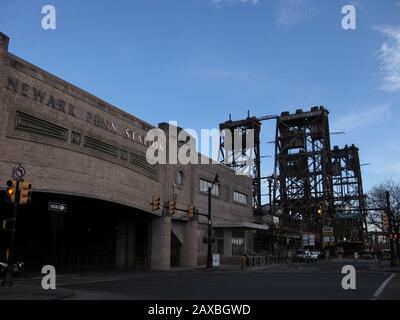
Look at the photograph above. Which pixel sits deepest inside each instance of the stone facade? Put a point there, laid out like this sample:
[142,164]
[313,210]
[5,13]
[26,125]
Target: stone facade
[67,138]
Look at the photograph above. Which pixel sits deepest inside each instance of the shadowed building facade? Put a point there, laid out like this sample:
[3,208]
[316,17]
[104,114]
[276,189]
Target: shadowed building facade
[91,156]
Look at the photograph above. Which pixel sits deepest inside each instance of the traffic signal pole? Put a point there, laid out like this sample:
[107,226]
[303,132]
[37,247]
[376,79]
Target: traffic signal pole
[8,279]
[394,261]
[209,237]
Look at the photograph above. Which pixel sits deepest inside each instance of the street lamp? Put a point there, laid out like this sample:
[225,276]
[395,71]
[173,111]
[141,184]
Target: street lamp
[209,237]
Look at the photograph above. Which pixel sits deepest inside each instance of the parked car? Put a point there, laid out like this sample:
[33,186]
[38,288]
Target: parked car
[312,256]
[299,255]
[306,255]
[18,266]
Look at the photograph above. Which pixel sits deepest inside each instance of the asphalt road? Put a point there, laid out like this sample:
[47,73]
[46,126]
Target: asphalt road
[320,280]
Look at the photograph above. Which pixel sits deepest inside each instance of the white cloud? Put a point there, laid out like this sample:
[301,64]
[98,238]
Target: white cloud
[224,3]
[362,119]
[389,58]
[292,12]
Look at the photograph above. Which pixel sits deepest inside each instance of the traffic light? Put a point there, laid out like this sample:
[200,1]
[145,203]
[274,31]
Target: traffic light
[156,203]
[385,221]
[25,193]
[171,207]
[11,190]
[191,211]
[319,211]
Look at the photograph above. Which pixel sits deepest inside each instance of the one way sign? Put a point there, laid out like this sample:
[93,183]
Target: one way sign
[57,207]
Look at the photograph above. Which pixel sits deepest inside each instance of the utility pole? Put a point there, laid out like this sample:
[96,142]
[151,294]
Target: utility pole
[394,261]
[209,237]
[8,278]
[209,223]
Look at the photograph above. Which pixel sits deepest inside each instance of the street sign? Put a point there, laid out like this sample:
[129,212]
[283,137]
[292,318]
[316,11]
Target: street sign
[57,207]
[216,260]
[308,239]
[329,240]
[327,231]
[19,172]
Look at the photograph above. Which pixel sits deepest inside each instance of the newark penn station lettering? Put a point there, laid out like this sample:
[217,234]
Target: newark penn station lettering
[88,157]
[58,104]
[39,96]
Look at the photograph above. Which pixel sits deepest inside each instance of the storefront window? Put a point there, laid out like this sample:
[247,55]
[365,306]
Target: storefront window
[237,243]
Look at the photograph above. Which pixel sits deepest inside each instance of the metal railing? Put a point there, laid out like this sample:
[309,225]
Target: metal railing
[261,261]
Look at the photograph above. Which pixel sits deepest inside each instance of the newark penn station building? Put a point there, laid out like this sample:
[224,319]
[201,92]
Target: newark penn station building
[87,159]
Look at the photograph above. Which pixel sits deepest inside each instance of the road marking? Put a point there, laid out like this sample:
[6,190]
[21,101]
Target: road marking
[101,280]
[90,281]
[379,291]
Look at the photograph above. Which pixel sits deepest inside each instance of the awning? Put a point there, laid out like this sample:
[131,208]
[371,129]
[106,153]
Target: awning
[245,225]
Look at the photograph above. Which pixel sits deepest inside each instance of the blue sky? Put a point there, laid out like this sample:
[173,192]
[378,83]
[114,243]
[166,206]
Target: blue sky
[196,61]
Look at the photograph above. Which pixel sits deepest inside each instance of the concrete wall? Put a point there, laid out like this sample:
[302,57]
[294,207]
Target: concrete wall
[59,165]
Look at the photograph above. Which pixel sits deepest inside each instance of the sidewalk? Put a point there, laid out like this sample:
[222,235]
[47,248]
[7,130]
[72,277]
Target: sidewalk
[228,267]
[385,266]
[24,291]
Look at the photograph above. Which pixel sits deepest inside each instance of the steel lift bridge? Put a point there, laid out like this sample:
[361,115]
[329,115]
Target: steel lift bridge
[311,186]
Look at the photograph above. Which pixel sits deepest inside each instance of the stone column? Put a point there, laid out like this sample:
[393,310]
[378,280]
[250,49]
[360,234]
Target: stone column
[126,245]
[189,250]
[161,244]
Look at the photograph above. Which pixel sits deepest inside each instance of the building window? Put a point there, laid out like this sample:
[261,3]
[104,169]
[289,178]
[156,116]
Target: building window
[220,248]
[179,178]
[219,237]
[204,184]
[237,243]
[240,197]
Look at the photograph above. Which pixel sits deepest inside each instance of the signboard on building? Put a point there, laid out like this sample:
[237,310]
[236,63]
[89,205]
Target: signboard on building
[216,260]
[346,212]
[329,240]
[308,239]
[327,232]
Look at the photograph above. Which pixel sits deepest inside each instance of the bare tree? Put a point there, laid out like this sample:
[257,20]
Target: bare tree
[376,198]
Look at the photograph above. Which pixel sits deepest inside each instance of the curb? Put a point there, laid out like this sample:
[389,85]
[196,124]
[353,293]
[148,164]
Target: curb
[33,293]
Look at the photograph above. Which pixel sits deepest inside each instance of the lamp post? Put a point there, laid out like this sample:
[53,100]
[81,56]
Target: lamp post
[209,237]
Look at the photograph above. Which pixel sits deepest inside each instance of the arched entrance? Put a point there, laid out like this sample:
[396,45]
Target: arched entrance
[90,233]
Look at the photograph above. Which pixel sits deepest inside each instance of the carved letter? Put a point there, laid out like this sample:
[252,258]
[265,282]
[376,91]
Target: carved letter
[89,116]
[51,102]
[25,89]
[71,110]
[12,83]
[38,94]
[61,105]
